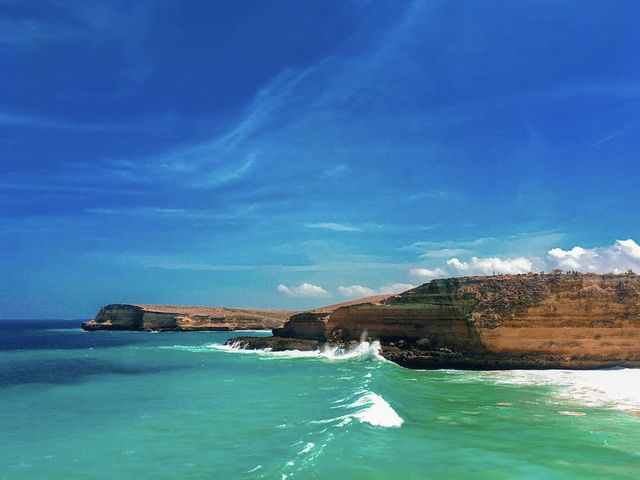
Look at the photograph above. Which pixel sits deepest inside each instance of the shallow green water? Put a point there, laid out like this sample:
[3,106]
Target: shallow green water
[139,405]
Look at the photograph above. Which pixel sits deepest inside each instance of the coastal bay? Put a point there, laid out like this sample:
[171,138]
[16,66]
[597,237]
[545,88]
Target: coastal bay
[133,404]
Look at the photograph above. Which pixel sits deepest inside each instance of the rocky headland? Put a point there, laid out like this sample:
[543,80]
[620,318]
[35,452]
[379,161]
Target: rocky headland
[494,322]
[123,316]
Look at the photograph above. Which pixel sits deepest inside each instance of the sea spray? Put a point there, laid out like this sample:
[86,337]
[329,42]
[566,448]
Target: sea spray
[364,350]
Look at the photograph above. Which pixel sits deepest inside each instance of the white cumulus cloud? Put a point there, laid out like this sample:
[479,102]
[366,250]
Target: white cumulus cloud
[623,255]
[355,291]
[490,265]
[303,290]
[568,259]
[427,273]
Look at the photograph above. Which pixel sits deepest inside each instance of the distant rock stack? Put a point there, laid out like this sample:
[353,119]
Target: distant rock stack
[162,318]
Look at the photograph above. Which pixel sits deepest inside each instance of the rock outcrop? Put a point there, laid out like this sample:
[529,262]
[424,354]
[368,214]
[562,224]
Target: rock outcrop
[313,324]
[123,316]
[275,344]
[504,321]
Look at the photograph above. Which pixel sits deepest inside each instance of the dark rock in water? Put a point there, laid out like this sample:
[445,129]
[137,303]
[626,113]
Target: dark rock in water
[276,344]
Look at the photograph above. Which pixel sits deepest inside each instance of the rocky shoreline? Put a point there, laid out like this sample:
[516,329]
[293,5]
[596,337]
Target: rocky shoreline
[534,321]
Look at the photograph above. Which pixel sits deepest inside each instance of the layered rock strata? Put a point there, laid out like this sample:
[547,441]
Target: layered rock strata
[177,318]
[504,321]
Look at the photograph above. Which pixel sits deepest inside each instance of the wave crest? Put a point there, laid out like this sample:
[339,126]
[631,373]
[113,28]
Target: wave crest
[366,407]
[375,410]
[365,351]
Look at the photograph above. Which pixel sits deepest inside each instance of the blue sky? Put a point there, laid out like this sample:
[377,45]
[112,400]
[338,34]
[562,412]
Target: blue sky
[292,154]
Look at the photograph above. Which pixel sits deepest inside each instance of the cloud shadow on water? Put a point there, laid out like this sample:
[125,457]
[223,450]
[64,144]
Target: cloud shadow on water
[45,335]
[67,370]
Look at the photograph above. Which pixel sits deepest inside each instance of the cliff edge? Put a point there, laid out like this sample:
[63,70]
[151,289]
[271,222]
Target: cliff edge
[123,316]
[503,321]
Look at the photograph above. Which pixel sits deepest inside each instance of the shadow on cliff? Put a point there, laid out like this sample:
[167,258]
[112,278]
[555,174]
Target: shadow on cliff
[67,371]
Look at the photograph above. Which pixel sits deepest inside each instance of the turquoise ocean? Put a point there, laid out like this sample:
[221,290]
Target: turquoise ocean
[121,405]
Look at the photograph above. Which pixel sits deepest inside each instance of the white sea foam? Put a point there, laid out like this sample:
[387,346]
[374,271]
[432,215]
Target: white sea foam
[187,348]
[64,330]
[254,331]
[376,411]
[366,407]
[307,448]
[267,352]
[362,351]
[611,388]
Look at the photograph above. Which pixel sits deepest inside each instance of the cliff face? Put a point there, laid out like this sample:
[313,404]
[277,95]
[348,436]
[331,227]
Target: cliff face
[176,318]
[507,321]
[312,325]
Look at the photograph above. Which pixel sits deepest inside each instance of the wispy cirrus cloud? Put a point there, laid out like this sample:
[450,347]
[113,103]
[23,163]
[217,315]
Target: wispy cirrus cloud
[517,244]
[321,97]
[337,227]
[231,154]
[607,138]
[165,262]
[32,121]
[30,31]
[66,188]
[243,211]
[445,252]
[105,21]
[435,195]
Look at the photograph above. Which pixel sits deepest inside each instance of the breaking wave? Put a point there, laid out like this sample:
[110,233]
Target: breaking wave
[366,407]
[373,409]
[363,405]
[365,351]
[187,348]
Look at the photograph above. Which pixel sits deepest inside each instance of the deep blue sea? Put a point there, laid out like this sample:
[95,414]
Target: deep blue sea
[120,405]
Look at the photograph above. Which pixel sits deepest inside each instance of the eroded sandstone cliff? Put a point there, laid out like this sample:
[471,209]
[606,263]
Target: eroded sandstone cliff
[178,318]
[504,321]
